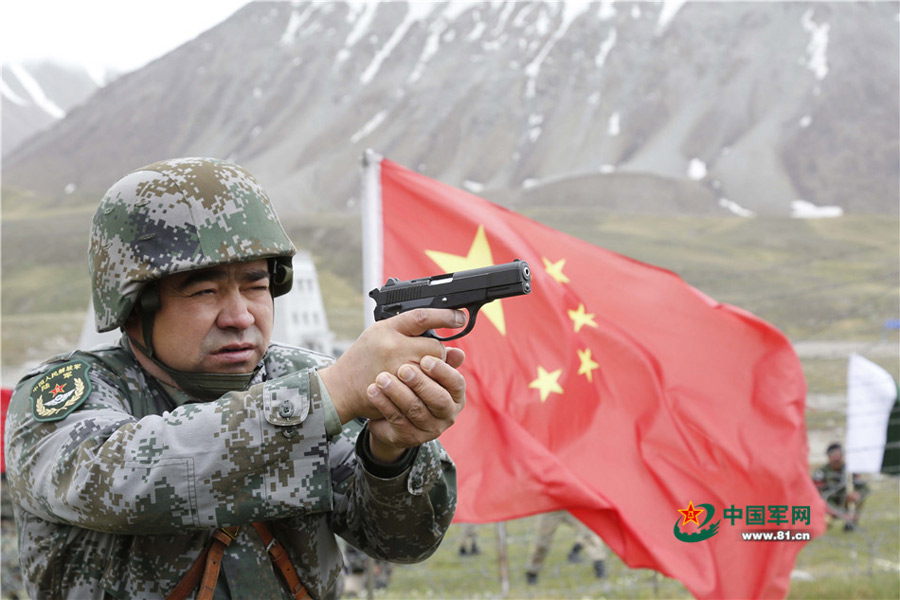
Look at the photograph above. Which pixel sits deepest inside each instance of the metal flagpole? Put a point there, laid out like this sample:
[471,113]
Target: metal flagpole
[502,559]
[372,246]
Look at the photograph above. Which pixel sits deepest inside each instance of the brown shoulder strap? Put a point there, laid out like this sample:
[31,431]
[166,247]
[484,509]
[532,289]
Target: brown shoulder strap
[281,560]
[205,569]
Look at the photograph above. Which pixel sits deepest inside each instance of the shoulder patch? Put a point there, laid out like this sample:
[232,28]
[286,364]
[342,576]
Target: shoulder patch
[60,391]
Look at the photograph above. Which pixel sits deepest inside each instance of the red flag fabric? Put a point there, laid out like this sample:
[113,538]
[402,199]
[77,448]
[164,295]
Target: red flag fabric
[5,397]
[616,391]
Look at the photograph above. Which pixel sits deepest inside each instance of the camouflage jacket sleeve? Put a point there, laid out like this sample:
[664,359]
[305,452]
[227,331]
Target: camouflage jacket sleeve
[402,518]
[259,454]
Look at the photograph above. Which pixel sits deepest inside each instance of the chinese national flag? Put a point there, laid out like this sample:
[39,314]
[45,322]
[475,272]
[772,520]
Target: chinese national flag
[5,396]
[614,390]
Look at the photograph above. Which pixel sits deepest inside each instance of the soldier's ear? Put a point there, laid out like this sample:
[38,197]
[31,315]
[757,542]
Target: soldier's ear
[132,324]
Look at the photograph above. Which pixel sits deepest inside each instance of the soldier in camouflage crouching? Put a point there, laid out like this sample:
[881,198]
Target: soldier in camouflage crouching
[197,459]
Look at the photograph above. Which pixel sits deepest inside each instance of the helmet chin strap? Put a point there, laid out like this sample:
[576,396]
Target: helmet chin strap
[207,386]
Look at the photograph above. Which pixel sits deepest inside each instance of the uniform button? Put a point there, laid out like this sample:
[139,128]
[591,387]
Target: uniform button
[286,410]
[289,432]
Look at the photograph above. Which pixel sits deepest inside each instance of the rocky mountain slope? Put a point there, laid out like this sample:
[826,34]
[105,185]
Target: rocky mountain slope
[667,108]
[36,94]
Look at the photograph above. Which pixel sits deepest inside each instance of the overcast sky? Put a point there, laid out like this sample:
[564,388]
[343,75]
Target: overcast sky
[122,34]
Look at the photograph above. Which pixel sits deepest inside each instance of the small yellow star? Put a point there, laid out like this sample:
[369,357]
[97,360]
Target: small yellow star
[547,383]
[554,270]
[580,318]
[587,364]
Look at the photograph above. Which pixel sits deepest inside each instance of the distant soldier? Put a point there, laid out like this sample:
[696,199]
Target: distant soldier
[197,455]
[843,501]
[585,541]
[357,569]
[468,545]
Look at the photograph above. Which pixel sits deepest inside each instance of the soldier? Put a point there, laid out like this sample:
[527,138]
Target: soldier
[585,540]
[357,569]
[468,546]
[195,454]
[842,501]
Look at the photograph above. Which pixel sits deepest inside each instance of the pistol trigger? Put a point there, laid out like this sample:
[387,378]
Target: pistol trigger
[470,325]
[470,321]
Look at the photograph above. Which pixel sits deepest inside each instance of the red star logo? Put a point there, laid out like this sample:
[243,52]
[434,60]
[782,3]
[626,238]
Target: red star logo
[59,388]
[690,513]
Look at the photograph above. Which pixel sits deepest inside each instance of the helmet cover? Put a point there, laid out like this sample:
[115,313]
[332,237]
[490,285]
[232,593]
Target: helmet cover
[173,216]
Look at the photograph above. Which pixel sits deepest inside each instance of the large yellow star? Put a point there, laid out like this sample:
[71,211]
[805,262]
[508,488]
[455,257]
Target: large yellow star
[580,318]
[479,256]
[554,270]
[587,364]
[547,383]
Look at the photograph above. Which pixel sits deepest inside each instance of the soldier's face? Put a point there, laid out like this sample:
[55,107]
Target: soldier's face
[836,459]
[216,320]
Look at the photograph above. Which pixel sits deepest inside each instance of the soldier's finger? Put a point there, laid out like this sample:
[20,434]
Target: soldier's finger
[430,394]
[446,376]
[454,357]
[426,416]
[418,321]
[383,403]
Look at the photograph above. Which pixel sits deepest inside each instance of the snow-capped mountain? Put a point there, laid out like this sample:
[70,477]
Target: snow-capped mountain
[673,107]
[36,94]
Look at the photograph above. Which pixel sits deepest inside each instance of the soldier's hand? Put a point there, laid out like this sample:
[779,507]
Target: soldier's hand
[384,348]
[417,404]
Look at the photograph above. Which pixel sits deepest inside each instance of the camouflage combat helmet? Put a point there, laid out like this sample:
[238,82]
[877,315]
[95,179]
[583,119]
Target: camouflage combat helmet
[174,216]
[179,215]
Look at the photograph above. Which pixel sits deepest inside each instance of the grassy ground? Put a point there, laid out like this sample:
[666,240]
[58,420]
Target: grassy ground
[448,575]
[859,564]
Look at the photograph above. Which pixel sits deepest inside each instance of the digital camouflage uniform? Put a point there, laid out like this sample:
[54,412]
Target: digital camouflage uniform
[118,480]
[832,485]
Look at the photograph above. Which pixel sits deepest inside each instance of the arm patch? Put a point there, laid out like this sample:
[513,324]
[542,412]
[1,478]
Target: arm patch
[60,391]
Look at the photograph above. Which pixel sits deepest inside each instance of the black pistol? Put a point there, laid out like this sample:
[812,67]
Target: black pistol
[470,290]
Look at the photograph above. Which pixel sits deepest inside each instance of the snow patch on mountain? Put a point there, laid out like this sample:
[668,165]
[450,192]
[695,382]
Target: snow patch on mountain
[36,92]
[669,9]
[297,20]
[416,11]
[605,48]
[10,95]
[369,127]
[817,49]
[802,209]
[736,208]
[570,11]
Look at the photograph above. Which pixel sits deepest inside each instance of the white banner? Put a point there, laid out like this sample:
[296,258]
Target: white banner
[871,392]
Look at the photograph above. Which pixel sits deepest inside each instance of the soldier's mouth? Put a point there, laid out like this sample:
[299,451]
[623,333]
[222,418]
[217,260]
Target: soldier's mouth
[236,353]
